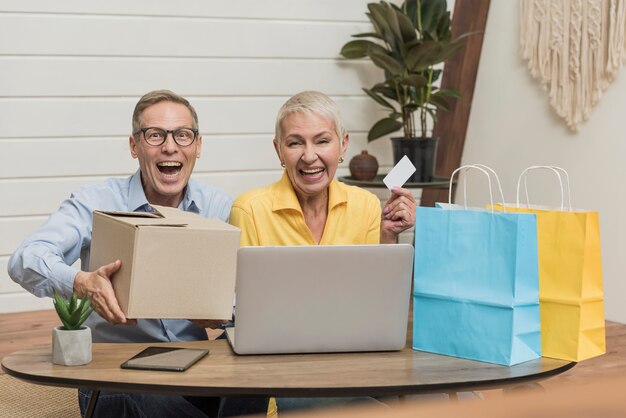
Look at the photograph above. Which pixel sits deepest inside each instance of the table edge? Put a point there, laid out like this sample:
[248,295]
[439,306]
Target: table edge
[291,392]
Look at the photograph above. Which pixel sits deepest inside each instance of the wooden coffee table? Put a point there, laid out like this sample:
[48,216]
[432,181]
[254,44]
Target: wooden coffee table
[223,373]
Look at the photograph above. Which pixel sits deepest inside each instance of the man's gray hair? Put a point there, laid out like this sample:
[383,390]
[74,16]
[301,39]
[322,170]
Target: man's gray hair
[311,102]
[158,96]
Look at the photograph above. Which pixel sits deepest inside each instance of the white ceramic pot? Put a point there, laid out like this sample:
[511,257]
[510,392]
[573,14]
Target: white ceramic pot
[71,348]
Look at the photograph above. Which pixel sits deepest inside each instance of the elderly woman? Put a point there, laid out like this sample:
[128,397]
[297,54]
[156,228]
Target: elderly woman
[307,206]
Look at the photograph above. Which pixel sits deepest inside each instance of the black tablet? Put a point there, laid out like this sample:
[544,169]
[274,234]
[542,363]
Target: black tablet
[175,359]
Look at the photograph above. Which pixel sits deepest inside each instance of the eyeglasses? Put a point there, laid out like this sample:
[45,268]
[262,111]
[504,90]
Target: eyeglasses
[157,136]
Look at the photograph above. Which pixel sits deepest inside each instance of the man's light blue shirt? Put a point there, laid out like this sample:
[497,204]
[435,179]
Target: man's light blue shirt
[43,262]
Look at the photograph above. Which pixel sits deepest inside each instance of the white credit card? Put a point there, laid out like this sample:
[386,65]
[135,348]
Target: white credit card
[400,173]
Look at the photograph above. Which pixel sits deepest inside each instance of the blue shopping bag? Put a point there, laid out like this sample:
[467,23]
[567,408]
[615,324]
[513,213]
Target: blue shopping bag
[476,288]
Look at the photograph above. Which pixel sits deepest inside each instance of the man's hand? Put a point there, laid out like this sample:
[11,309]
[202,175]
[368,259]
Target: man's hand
[398,215]
[97,284]
[209,323]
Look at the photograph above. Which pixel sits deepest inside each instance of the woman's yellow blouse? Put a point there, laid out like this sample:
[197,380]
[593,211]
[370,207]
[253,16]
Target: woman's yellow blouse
[272,216]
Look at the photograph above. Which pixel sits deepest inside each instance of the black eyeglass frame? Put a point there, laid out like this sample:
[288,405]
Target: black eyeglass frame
[167,132]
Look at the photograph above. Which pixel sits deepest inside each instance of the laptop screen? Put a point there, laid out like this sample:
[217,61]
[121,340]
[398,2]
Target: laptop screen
[299,299]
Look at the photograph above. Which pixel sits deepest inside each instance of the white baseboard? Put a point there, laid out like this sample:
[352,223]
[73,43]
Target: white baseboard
[23,302]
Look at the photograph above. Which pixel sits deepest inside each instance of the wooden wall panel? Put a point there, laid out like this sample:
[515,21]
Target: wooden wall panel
[470,16]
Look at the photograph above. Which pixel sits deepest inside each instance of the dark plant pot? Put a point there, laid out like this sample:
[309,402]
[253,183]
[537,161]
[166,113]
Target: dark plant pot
[422,153]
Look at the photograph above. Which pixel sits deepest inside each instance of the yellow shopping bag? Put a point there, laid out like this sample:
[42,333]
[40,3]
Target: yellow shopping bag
[570,277]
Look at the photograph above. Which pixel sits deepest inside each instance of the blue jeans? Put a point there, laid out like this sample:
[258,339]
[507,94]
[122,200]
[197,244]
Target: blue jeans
[145,405]
[294,404]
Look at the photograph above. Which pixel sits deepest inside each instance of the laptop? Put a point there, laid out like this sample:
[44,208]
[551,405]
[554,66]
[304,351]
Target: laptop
[323,298]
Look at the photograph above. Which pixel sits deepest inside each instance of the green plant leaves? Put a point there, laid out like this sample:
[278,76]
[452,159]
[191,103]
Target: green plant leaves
[386,90]
[449,93]
[390,16]
[439,102]
[74,318]
[61,306]
[354,49]
[408,42]
[415,80]
[379,99]
[383,127]
[433,12]
[410,9]
[406,28]
[72,306]
[387,63]
[429,53]
[361,48]
[378,18]
[72,314]
[368,35]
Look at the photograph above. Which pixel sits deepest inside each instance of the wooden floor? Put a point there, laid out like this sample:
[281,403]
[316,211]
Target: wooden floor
[23,330]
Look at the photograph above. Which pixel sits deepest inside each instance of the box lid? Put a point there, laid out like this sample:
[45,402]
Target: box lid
[168,217]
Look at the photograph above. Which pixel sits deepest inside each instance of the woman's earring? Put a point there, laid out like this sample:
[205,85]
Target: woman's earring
[282,164]
[340,160]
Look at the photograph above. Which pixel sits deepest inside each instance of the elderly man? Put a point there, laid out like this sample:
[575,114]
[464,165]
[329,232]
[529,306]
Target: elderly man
[166,142]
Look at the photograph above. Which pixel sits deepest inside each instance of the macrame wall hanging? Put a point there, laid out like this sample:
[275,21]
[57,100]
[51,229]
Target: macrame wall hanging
[575,48]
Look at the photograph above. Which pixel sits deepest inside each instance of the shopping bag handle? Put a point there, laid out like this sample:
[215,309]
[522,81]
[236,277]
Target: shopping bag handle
[557,171]
[486,170]
[495,175]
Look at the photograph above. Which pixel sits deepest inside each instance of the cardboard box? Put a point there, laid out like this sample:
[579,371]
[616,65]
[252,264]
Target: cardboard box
[175,264]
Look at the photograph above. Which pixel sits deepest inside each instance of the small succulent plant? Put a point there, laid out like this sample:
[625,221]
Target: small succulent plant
[72,313]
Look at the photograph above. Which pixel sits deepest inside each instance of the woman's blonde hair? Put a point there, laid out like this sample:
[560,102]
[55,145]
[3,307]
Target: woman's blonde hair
[311,102]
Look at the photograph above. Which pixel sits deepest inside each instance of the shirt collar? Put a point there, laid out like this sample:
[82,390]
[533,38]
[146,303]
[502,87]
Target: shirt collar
[285,196]
[191,196]
[138,202]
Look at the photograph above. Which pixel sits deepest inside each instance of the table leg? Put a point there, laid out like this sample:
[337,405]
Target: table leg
[453,396]
[91,407]
[525,387]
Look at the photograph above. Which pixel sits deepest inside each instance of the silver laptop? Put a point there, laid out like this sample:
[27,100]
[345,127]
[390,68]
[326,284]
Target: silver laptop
[317,299]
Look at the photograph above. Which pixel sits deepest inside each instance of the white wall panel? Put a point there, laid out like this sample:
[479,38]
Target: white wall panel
[33,158]
[326,10]
[38,196]
[54,157]
[68,117]
[74,35]
[42,197]
[14,230]
[71,72]
[23,301]
[6,284]
[512,126]
[93,76]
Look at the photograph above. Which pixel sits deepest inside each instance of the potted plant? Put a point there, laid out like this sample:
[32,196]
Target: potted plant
[71,342]
[408,42]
